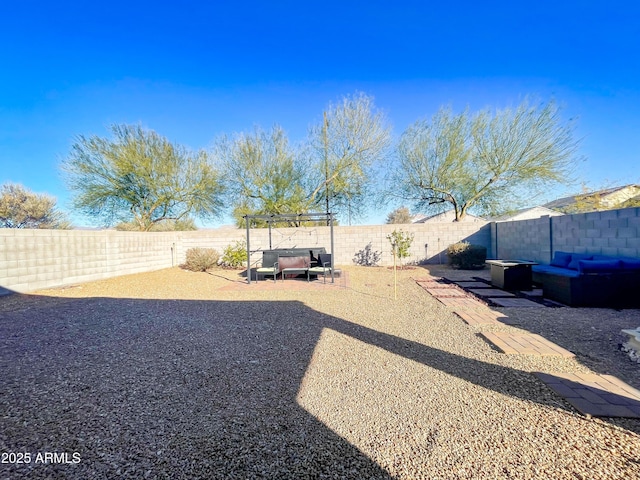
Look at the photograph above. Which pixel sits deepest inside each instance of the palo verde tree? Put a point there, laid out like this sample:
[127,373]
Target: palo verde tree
[139,176]
[263,174]
[22,208]
[345,148]
[483,161]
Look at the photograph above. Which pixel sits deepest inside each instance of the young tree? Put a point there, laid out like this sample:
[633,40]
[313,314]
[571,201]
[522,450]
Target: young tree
[351,140]
[21,208]
[262,174]
[140,177]
[399,215]
[400,243]
[483,161]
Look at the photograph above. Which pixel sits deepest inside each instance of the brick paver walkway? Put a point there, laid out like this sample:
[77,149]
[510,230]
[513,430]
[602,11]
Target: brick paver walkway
[525,344]
[596,395]
[461,303]
[483,316]
[444,291]
[590,394]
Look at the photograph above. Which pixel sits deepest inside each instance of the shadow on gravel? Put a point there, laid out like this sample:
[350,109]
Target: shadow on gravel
[185,389]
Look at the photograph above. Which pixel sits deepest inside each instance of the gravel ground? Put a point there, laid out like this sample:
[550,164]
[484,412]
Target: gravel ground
[164,375]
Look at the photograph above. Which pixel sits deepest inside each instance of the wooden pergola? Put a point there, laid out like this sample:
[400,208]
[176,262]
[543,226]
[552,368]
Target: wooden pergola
[301,217]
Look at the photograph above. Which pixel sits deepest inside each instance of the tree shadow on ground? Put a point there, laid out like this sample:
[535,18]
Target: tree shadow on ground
[186,389]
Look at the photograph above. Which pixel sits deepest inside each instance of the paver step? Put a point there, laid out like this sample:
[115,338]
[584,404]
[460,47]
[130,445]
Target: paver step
[479,317]
[595,395]
[461,303]
[525,344]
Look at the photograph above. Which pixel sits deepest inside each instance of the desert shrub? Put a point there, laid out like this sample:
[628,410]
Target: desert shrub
[402,241]
[234,256]
[201,259]
[367,257]
[466,256]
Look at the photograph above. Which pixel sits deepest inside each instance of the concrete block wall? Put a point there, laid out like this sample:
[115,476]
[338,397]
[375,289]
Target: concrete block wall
[523,239]
[429,243]
[611,232]
[36,259]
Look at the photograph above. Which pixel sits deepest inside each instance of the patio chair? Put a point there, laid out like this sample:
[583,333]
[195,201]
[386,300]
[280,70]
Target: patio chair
[272,271]
[324,266]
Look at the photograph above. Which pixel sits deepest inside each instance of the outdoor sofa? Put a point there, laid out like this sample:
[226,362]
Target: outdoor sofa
[290,261]
[590,280]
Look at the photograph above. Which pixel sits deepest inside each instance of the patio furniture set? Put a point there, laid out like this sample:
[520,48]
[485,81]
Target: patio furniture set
[575,279]
[293,262]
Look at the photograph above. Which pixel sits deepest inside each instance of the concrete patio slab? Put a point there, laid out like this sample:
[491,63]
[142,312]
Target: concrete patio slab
[516,302]
[536,292]
[490,292]
[474,284]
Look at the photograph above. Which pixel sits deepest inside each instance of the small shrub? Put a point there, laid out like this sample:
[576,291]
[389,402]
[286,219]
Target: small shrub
[234,256]
[402,241]
[466,256]
[201,259]
[367,257]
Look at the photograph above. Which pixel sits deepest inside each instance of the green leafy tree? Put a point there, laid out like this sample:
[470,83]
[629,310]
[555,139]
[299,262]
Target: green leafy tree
[401,243]
[21,208]
[345,149]
[399,215]
[263,174]
[139,176]
[483,161]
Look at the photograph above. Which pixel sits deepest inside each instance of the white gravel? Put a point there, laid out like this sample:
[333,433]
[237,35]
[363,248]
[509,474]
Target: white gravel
[163,375]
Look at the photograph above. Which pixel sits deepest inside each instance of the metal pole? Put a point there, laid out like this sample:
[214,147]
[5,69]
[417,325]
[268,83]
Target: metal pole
[246,218]
[332,252]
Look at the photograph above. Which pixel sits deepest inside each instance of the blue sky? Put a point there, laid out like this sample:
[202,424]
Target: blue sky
[192,70]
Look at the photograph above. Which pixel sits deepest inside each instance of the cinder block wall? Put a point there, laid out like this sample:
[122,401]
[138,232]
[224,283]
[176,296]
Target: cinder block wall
[612,232]
[35,259]
[523,239]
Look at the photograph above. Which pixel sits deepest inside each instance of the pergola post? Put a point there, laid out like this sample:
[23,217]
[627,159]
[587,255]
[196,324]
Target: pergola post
[247,220]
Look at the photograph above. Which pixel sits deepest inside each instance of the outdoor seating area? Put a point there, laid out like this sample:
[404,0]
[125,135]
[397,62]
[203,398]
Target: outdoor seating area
[585,280]
[308,263]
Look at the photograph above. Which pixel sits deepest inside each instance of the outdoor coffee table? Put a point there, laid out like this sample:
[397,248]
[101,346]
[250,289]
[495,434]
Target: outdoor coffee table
[511,274]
